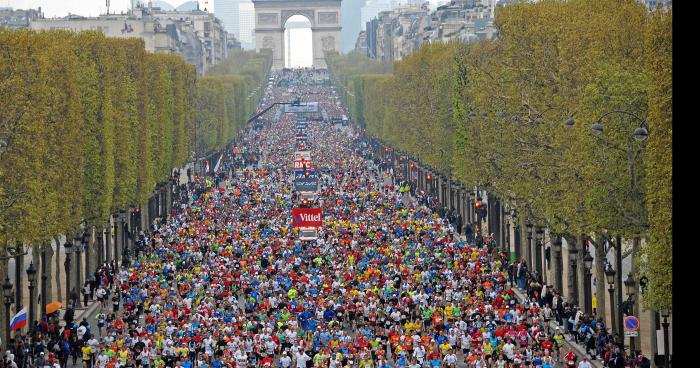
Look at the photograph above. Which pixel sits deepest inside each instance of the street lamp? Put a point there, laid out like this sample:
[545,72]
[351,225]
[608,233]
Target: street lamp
[630,285]
[640,133]
[588,264]
[610,277]
[69,249]
[86,248]
[31,277]
[630,288]
[8,294]
[665,313]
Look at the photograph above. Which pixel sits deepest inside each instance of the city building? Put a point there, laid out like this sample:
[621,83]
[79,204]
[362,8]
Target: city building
[227,11]
[246,24]
[352,23]
[396,33]
[18,18]
[195,35]
[361,44]
[372,8]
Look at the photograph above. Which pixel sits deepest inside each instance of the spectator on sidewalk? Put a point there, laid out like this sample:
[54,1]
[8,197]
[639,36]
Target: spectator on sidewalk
[86,293]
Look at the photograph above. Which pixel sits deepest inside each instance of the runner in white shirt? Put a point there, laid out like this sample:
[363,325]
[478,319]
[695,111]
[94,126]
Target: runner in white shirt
[302,359]
[450,359]
[285,361]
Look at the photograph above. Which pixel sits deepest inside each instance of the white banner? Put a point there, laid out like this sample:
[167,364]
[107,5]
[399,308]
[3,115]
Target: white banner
[303,107]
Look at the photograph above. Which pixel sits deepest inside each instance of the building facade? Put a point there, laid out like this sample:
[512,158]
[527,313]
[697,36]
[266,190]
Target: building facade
[196,35]
[227,11]
[246,24]
[18,18]
[396,33]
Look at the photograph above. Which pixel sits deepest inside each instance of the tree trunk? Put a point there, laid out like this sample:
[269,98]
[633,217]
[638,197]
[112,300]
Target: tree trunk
[580,273]
[49,269]
[109,244]
[3,321]
[600,291]
[59,287]
[36,256]
[572,294]
[93,244]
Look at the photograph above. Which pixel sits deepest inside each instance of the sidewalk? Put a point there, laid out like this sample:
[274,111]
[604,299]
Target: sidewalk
[83,312]
[578,349]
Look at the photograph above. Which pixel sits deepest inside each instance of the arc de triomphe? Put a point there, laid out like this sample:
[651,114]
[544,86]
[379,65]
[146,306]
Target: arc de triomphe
[271,15]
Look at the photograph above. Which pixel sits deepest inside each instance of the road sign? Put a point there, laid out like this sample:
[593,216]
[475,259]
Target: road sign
[631,333]
[631,323]
[307,217]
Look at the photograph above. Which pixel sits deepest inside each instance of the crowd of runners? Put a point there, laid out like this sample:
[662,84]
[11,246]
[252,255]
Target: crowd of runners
[225,282]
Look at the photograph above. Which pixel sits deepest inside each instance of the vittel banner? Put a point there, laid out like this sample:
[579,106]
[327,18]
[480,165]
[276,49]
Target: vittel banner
[307,217]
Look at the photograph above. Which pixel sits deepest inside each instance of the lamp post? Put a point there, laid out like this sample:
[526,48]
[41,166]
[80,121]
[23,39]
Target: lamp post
[665,313]
[69,249]
[610,277]
[429,182]
[31,278]
[587,264]
[539,234]
[86,246]
[43,281]
[7,293]
[630,288]
[77,248]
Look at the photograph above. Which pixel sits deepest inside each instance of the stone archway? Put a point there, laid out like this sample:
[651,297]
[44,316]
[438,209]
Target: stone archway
[271,15]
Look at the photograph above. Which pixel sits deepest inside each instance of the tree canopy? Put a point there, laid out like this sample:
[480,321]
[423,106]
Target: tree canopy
[514,116]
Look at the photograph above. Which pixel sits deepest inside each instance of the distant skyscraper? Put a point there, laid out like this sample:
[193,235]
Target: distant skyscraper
[246,25]
[351,21]
[227,11]
[372,8]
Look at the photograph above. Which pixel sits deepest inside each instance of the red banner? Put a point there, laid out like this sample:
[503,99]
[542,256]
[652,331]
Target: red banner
[307,217]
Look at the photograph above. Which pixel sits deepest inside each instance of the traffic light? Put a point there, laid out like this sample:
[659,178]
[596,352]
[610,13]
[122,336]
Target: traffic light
[304,203]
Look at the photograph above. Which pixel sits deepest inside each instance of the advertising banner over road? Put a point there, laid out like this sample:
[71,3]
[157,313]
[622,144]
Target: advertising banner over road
[307,217]
[305,181]
[303,107]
